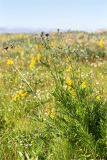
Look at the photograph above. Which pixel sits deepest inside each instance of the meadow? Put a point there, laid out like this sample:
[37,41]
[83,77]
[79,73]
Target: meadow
[53,96]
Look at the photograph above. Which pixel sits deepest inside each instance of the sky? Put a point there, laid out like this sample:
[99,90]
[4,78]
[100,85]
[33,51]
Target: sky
[53,14]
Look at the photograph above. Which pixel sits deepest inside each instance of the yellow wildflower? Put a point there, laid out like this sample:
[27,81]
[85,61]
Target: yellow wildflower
[16,97]
[98,97]
[33,62]
[10,62]
[83,85]
[69,69]
[19,94]
[72,91]
[68,81]
[22,93]
[38,57]
[101,43]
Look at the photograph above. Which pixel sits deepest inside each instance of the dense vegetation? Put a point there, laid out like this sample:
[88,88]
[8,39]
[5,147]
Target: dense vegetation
[53,96]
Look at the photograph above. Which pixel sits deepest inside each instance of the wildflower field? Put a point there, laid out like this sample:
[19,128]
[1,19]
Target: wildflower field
[53,96]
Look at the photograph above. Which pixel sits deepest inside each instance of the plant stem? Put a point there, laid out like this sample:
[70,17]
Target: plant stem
[24,79]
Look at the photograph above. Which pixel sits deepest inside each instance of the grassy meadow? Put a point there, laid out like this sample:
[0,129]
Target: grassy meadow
[53,96]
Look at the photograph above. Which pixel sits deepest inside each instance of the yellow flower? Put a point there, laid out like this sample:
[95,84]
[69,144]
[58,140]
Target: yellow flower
[10,62]
[38,57]
[22,93]
[83,85]
[98,97]
[69,69]
[19,94]
[16,97]
[101,43]
[68,81]
[33,62]
[72,91]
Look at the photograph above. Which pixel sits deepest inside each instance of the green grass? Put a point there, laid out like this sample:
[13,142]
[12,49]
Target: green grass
[53,97]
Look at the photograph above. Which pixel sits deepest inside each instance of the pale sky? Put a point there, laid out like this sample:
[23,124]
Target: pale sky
[64,14]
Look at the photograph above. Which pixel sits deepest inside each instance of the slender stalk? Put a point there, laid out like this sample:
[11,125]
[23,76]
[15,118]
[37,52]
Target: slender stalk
[24,79]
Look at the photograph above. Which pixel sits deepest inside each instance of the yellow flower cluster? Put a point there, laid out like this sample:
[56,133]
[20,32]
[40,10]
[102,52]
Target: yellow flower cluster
[83,85]
[70,86]
[69,69]
[101,43]
[33,62]
[98,97]
[10,62]
[68,81]
[71,90]
[20,94]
